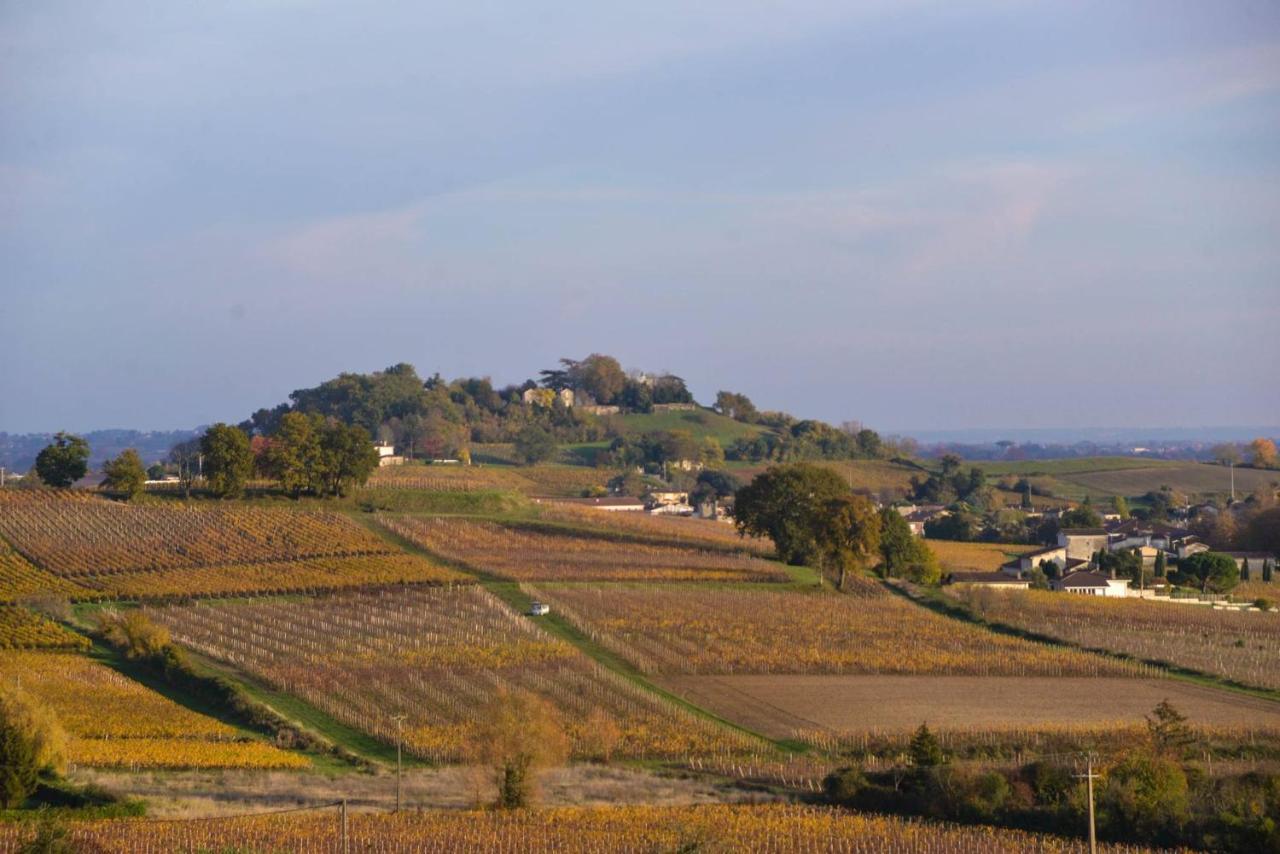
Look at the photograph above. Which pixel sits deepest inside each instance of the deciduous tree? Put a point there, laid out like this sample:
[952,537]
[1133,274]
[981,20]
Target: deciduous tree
[63,461]
[125,474]
[228,460]
[518,734]
[787,503]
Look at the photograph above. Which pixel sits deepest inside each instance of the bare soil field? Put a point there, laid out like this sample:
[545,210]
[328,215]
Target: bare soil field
[192,794]
[781,706]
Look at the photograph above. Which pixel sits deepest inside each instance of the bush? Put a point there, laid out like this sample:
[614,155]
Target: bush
[843,785]
[1262,603]
[133,633]
[31,741]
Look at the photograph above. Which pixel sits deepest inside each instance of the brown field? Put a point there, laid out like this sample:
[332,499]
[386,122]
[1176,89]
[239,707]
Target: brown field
[784,706]
[736,630]
[981,557]
[879,477]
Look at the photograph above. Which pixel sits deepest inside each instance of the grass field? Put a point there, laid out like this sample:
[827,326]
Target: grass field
[979,557]
[1102,477]
[788,706]
[722,630]
[523,555]
[1237,645]
[436,655]
[113,721]
[574,830]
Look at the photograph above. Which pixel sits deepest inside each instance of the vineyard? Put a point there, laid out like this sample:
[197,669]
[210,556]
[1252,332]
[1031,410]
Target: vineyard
[114,721]
[723,631]
[1238,645]
[19,579]
[977,557]
[586,830]
[436,655]
[24,629]
[309,575]
[75,535]
[528,556]
[683,532]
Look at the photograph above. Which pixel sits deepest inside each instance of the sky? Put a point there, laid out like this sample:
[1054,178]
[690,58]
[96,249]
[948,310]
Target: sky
[917,215]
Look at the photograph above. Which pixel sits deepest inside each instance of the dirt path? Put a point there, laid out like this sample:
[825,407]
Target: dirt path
[187,794]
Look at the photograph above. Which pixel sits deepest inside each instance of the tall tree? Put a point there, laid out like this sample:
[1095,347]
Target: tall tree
[787,503]
[1262,453]
[293,455]
[599,376]
[848,533]
[516,735]
[125,474]
[63,461]
[347,455]
[902,553]
[1213,571]
[228,460]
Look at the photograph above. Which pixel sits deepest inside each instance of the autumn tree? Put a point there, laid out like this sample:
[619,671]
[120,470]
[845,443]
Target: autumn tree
[902,553]
[228,460]
[1262,453]
[64,461]
[31,742]
[848,534]
[517,735]
[599,376]
[125,474]
[293,455]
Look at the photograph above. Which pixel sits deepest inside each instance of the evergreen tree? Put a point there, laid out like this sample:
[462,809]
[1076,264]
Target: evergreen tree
[64,461]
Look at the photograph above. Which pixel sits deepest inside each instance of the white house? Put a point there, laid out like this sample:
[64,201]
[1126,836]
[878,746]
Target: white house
[997,580]
[1086,582]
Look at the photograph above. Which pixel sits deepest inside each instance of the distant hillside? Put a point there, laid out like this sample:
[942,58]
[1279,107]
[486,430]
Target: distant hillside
[18,450]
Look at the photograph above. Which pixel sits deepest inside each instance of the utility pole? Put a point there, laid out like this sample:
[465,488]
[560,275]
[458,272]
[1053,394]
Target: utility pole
[343,813]
[1231,464]
[1089,777]
[399,719]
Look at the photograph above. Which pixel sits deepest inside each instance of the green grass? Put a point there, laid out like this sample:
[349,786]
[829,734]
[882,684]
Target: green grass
[700,422]
[1072,465]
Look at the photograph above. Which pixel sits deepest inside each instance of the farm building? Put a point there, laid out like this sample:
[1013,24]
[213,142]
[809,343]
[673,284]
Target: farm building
[1082,543]
[1086,582]
[613,504]
[387,455]
[997,580]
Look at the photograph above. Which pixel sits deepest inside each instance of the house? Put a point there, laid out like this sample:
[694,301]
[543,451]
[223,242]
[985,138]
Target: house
[1191,546]
[997,580]
[1087,582]
[546,397]
[675,407]
[1031,560]
[1083,543]
[387,455]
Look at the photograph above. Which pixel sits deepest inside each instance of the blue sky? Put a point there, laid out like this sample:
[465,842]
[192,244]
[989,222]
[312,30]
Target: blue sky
[919,215]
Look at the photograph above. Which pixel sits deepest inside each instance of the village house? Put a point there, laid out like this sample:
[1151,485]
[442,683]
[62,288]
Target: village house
[387,455]
[612,504]
[1086,582]
[1083,543]
[546,397]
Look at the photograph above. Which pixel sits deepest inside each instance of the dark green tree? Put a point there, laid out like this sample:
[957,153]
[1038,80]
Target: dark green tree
[125,474]
[228,460]
[293,456]
[1212,571]
[347,456]
[787,503]
[534,445]
[924,749]
[63,461]
[848,534]
[1161,564]
[902,553]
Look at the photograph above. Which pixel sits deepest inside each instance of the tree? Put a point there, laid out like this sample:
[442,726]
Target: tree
[1213,571]
[711,453]
[1083,516]
[293,455]
[517,734]
[1144,797]
[134,634]
[125,474]
[712,485]
[347,456]
[1262,453]
[902,553]
[31,741]
[156,471]
[1170,734]
[63,461]
[848,534]
[534,445]
[957,525]
[1121,506]
[188,460]
[924,749]
[1161,564]
[1263,531]
[599,376]
[736,406]
[787,503]
[1227,454]
[228,460]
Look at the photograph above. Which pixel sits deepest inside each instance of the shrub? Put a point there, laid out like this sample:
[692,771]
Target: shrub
[31,741]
